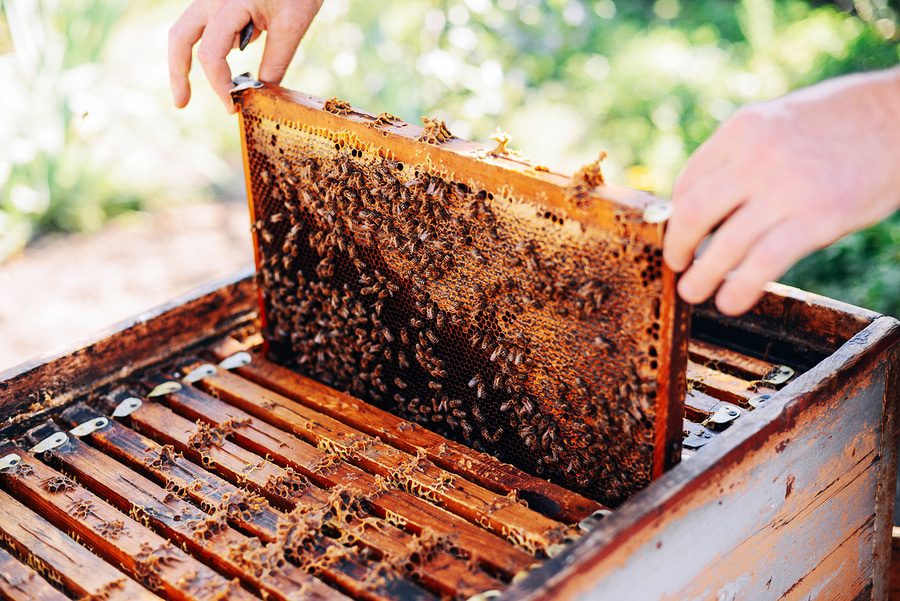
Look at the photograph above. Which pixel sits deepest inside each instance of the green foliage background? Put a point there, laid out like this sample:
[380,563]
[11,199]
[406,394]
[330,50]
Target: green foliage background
[90,134]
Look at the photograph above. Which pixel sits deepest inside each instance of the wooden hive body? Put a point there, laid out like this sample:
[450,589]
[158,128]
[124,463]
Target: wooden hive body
[793,499]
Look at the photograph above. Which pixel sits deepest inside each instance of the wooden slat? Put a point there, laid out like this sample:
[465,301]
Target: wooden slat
[441,572]
[43,384]
[417,514]
[196,531]
[727,360]
[116,537]
[56,554]
[477,504]
[553,501]
[19,582]
[699,405]
[257,518]
[722,386]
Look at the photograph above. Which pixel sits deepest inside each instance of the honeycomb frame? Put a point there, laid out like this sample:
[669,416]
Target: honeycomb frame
[515,309]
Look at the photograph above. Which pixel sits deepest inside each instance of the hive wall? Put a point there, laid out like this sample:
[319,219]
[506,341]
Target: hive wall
[502,306]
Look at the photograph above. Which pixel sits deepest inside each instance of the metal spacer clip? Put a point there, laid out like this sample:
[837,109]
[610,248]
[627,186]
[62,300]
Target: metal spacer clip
[198,373]
[485,596]
[53,441]
[658,212]
[236,360]
[127,407]
[90,426]
[778,375]
[8,461]
[245,82]
[725,414]
[759,401]
[593,520]
[698,436]
[165,388]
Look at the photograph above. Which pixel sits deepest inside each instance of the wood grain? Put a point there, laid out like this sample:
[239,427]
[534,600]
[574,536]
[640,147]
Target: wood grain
[59,557]
[357,578]
[554,501]
[289,451]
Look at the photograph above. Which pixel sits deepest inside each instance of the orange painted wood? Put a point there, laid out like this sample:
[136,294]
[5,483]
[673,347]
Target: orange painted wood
[116,537]
[77,569]
[188,526]
[553,501]
[289,451]
[723,386]
[511,520]
[443,573]
[727,360]
[211,491]
[19,582]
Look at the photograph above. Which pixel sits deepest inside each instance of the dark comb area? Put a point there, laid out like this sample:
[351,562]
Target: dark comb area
[508,308]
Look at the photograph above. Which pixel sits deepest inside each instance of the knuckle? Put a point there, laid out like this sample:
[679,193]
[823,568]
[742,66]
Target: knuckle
[205,55]
[176,33]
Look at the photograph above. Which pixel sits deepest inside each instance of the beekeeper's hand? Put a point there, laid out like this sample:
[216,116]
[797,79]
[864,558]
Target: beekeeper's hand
[781,179]
[216,24]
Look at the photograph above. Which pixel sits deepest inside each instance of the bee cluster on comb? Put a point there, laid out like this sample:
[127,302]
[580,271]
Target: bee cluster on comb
[499,305]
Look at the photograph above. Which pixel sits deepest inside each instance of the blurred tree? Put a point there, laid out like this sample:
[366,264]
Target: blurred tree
[648,80]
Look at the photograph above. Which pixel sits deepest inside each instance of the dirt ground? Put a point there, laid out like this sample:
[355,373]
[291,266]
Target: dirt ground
[66,288]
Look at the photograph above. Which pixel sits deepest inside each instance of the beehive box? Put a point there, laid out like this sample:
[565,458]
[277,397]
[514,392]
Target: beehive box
[174,457]
[793,499]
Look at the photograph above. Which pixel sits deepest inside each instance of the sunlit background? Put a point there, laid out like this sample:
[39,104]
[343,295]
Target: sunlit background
[112,201]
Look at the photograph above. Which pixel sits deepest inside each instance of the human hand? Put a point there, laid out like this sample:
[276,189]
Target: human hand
[784,178]
[216,24]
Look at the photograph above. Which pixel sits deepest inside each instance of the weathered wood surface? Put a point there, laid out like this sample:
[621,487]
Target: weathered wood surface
[19,582]
[61,558]
[785,503]
[116,537]
[554,501]
[894,568]
[202,534]
[32,388]
[802,319]
[289,451]
[477,504]
[443,573]
[254,516]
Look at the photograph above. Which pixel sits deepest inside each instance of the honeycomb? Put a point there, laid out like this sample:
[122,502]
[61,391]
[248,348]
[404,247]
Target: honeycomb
[502,305]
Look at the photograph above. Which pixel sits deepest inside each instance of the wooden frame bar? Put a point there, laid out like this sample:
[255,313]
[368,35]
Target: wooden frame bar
[553,501]
[289,451]
[442,573]
[251,515]
[19,582]
[200,533]
[118,538]
[61,558]
[514,522]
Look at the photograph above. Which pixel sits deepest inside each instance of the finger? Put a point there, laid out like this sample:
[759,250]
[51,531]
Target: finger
[696,209]
[218,39]
[182,37]
[282,39]
[771,256]
[729,245]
